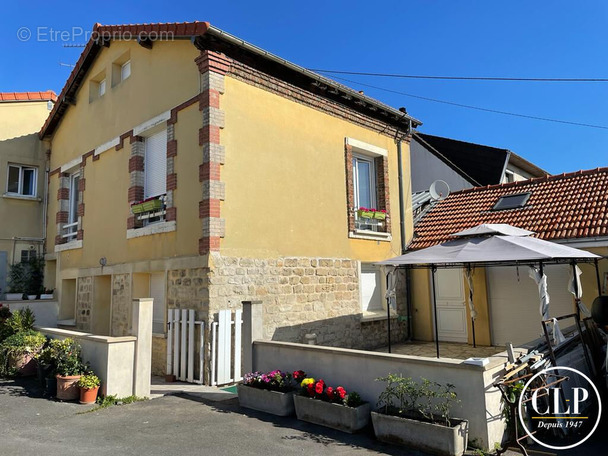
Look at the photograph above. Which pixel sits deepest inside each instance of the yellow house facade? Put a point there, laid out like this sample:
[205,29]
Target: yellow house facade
[23,177]
[201,171]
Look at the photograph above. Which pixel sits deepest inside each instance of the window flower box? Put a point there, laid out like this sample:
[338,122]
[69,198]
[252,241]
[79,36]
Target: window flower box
[137,208]
[379,215]
[365,214]
[152,205]
[336,416]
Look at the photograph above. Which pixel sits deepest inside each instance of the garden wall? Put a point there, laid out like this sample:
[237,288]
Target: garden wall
[357,370]
[45,311]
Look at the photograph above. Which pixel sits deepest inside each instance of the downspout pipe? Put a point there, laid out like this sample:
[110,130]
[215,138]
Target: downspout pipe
[402,235]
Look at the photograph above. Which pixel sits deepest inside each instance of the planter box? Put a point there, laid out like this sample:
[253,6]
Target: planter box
[365,214]
[152,205]
[432,438]
[14,296]
[137,208]
[335,416]
[380,215]
[274,402]
[46,296]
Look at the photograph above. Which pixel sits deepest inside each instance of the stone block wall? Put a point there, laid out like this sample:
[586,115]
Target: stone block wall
[84,303]
[121,305]
[300,296]
[159,355]
[188,289]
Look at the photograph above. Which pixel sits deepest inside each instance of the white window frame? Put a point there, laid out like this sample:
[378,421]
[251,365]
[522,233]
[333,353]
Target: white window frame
[102,87]
[125,68]
[71,228]
[147,193]
[22,168]
[373,185]
[379,308]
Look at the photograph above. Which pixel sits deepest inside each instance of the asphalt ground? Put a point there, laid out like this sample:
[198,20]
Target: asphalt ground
[180,425]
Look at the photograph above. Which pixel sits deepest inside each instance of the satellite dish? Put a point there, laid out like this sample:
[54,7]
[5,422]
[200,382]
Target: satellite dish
[439,190]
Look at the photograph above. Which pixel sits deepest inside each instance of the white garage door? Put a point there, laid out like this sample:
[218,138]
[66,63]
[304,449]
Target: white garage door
[514,305]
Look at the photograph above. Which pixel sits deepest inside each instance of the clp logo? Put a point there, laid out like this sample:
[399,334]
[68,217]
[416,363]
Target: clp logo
[561,414]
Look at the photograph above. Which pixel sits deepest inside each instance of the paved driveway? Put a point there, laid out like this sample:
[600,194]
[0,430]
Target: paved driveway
[171,425]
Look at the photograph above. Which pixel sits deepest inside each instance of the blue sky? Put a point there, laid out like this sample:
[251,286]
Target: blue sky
[472,38]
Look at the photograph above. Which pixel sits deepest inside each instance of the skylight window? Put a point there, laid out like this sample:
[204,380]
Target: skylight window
[511,201]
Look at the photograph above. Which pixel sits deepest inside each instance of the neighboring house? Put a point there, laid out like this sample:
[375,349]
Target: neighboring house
[464,165]
[254,169]
[567,208]
[22,177]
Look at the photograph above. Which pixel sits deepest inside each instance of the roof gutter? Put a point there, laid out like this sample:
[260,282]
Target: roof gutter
[311,74]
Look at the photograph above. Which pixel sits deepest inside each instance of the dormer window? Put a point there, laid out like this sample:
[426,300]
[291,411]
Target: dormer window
[515,201]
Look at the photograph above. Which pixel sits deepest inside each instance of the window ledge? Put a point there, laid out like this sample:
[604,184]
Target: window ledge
[155,228]
[370,235]
[69,246]
[21,197]
[376,315]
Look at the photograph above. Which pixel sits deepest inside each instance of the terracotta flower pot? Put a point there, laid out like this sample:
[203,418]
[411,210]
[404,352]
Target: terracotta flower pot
[88,395]
[67,388]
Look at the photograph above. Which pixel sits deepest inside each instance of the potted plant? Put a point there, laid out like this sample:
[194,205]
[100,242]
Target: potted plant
[364,212]
[89,386]
[418,415]
[331,407]
[17,352]
[69,368]
[270,392]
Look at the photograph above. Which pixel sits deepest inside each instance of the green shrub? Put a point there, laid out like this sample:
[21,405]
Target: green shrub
[89,381]
[67,357]
[21,343]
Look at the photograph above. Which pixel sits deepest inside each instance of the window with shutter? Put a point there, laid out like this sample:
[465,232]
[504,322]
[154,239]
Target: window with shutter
[155,165]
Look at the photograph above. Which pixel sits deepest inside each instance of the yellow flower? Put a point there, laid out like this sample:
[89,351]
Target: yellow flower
[307,381]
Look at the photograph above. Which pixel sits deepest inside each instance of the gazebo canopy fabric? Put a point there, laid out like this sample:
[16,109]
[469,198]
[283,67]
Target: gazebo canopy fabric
[483,250]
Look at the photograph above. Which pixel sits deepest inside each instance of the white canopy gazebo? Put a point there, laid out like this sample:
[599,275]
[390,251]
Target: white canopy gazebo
[494,245]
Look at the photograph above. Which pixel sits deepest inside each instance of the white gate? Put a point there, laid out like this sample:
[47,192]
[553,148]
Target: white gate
[226,360]
[180,345]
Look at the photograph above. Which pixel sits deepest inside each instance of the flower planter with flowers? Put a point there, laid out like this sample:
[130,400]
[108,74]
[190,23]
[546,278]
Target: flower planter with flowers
[69,368]
[367,213]
[417,415]
[331,407]
[270,392]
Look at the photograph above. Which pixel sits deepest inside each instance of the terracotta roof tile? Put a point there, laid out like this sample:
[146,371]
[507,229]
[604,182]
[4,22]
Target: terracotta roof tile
[562,206]
[48,95]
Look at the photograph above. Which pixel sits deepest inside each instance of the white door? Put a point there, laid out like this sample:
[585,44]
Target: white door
[514,303]
[451,306]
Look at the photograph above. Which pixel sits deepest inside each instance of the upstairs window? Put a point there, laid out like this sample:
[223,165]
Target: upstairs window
[125,70]
[21,180]
[97,86]
[70,229]
[102,87]
[365,188]
[155,165]
[121,69]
